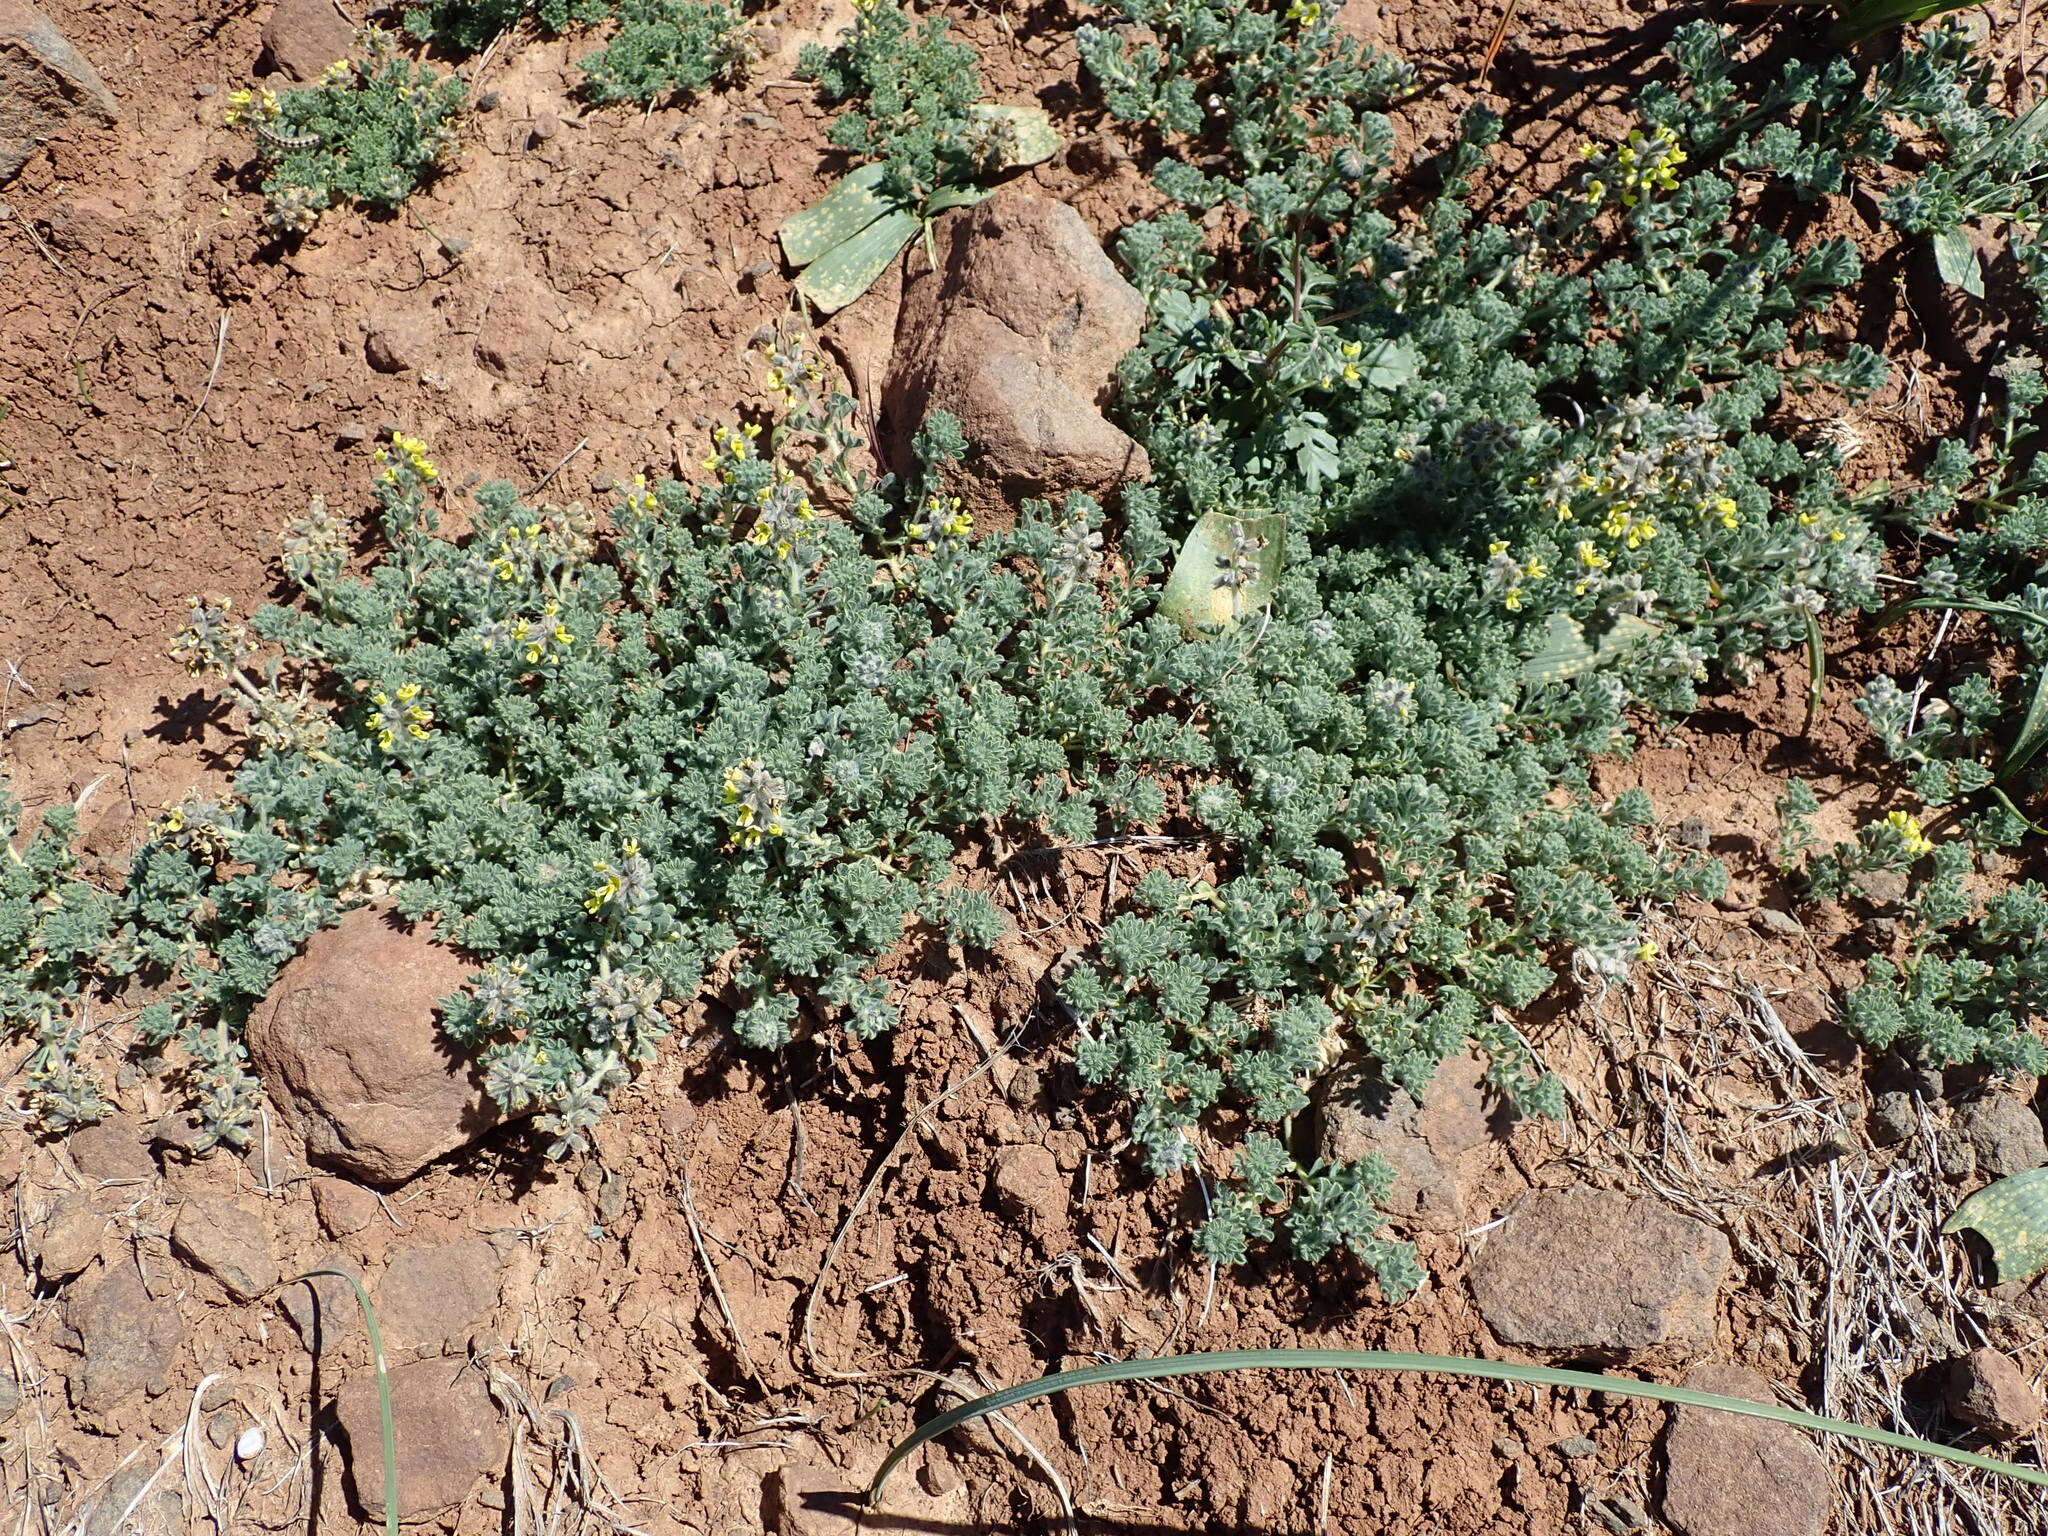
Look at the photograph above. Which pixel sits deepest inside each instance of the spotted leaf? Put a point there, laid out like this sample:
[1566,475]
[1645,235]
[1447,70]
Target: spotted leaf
[2012,1216]
[850,207]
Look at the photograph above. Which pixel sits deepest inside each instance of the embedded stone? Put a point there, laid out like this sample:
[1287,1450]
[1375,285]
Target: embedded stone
[1727,1474]
[302,37]
[449,1435]
[1585,1270]
[126,1337]
[70,1239]
[1986,1391]
[432,1296]
[45,85]
[228,1241]
[1017,332]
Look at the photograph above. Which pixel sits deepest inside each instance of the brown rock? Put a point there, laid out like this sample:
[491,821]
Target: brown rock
[1363,22]
[324,1308]
[114,1150]
[348,1043]
[1424,1144]
[230,1242]
[514,340]
[812,1501]
[449,1434]
[2004,1133]
[302,37]
[1017,332]
[343,1208]
[133,1499]
[1989,1393]
[401,346]
[70,1238]
[1026,1181]
[432,1295]
[45,85]
[1586,1270]
[1726,1474]
[127,1339]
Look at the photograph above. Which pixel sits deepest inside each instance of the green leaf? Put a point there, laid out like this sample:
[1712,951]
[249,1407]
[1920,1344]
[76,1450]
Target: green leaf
[835,279]
[1389,364]
[1037,139]
[957,197]
[1440,1365]
[850,207]
[1870,17]
[1199,594]
[1955,258]
[387,1434]
[1563,652]
[2012,1216]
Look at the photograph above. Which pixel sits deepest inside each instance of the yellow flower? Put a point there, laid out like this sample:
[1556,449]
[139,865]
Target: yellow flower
[1911,838]
[596,901]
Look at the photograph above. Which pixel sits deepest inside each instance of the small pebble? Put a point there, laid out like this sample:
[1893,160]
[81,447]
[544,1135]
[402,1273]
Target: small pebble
[1772,920]
[249,1445]
[1577,1448]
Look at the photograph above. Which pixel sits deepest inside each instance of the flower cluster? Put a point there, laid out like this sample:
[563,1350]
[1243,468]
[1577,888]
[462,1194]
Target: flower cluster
[754,800]
[1641,166]
[400,712]
[407,455]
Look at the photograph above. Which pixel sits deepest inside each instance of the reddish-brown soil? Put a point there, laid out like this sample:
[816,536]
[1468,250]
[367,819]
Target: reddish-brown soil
[175,389]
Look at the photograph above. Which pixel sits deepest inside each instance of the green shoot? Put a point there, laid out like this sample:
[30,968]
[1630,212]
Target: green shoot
[1441,1365]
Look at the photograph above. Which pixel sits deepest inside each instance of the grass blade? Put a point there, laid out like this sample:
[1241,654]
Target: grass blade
[388,1431]
[1441,1365]
[1816,672]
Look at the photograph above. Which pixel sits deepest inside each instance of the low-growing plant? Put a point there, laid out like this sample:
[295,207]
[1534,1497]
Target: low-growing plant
[370,131]
[54,924]
[912,107]
[1970,991]
[661,48]
[668,48]
[468,25]
[1442,509]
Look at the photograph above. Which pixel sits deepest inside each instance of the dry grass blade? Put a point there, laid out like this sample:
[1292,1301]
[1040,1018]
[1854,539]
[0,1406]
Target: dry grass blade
[732,1324]
[1493,43]
[548,1443]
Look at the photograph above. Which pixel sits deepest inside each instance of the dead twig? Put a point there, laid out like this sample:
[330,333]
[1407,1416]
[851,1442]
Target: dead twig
[220,348]
[739,1339]
[1493,44]
[542,483]
[8,210]
[853,1214]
